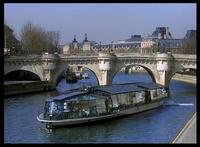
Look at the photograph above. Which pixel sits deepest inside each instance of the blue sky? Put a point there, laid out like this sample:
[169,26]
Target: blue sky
[102,22]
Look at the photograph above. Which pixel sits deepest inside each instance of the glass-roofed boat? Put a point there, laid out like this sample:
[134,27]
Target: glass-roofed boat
[101,102]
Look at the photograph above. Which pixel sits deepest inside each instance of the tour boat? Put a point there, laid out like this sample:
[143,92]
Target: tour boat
[85,76]
[71,76]
[101,102]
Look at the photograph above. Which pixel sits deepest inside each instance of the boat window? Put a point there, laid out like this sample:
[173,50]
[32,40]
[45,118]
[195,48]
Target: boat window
[55,107]
[132,94]
[122,98]
[114,100]
[147,96]
[101,106]
[93,110]
[85,112]
[52,107]
[133,97]
[130,98]
[140,97]
[46,111]
[66,108]
[159,91]
[108,103]
[163,91]
[86,108]
[154,93]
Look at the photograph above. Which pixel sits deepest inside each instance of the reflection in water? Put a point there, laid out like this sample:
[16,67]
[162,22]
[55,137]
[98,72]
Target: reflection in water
[160,125]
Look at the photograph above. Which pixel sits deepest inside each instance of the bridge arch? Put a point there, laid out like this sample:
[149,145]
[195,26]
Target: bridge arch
[148,69]
[190,71]
[21,75]
[179,70]
[63,68]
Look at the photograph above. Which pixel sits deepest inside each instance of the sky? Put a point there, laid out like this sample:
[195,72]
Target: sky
[102,22]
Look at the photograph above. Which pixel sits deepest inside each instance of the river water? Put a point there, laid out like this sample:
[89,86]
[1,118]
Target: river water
[160,125]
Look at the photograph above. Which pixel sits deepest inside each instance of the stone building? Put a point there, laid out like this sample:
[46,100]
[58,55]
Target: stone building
[136,43]
[86,45]
[77,47]
[190,34]
[162,33]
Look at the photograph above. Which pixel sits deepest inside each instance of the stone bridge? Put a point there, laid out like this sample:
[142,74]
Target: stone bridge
[49,67]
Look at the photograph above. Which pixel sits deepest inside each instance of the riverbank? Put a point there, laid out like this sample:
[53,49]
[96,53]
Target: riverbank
[188,133]
[185,78]
[179,77]
[24,87]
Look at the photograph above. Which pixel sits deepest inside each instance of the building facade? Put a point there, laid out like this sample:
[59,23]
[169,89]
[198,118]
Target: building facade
[161,38]
[75,46]
[162,33]
[190,34]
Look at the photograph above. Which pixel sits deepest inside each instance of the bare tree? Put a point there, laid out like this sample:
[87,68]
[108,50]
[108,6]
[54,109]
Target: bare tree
[30,38]
[36,40]
[52,41]
[11,43]
[56,38]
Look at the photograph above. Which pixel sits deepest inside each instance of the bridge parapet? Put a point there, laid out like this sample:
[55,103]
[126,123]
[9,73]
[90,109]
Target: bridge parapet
[185,56]
[50,56]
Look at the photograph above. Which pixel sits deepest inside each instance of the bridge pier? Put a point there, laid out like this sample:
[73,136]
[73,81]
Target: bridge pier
[105,78]
[49,66]
[164,68]
[162,79]
[107,63]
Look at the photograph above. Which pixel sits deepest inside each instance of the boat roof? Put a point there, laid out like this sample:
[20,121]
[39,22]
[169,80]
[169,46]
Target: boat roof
[110,89]
[149,85]
[122,88]
[67,95]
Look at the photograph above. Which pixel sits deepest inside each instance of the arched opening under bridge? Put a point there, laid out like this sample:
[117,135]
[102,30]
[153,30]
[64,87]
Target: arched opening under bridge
[21,75]
[184,78]
[90,79]
[141,74]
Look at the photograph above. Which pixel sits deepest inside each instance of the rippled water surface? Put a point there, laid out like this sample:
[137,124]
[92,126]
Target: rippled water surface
[160,125]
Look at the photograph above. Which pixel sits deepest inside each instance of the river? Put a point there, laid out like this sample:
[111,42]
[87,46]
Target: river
[160,125]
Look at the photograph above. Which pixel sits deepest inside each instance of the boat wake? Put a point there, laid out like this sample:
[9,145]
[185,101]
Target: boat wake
[172,103]
[185,104]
